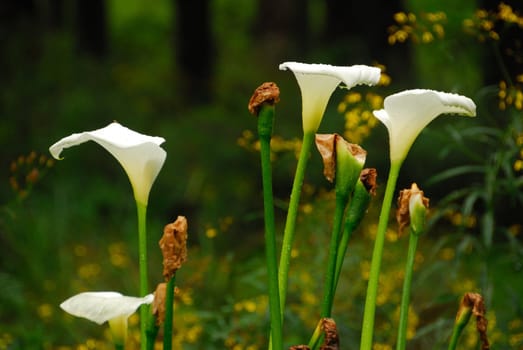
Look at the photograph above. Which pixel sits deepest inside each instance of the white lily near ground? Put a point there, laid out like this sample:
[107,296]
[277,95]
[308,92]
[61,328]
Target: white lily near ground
[140,155]
[318,81]
[407,113]
[101,307]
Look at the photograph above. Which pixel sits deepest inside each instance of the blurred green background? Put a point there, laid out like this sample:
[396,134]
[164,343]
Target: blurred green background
[185,70]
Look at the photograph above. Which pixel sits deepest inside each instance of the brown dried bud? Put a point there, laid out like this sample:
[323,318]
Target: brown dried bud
[332,341]
[299,347]
[475,302]
[159,303]
[368,177]
[403,211]
[326,144]
[266,93]
[174,246]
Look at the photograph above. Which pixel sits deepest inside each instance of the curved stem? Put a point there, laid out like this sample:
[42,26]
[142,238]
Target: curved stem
[456,332]
[276,341]
[290,223]
[142,251]
[372,288]
[405,298]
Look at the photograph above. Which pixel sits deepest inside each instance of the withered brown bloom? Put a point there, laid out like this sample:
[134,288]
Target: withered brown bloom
[331,341]
[368,178]
[403,211]
[266,93]
[174,246]
[159,303]
[473,303]
[326,144]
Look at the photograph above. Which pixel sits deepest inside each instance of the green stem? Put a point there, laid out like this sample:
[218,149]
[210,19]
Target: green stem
[169,311]
[142,251]
[405,298]
[328,290]
[316,336]
[292,214]
[118,346]
[372,288]
[265,120]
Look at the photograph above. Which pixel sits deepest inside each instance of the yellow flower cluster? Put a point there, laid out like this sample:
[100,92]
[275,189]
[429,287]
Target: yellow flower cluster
[457,219]
[279,145]
[483,24]
[357,109]
[511,95]
[423,28]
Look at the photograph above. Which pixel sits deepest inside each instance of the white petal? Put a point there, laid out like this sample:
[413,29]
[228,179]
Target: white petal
[140,155]
[100,307]
[318,81]
[406,113]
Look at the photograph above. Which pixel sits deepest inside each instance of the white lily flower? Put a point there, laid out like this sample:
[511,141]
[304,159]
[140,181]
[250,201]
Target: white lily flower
[101,307]
[318,81]
[140,155]
[406,113]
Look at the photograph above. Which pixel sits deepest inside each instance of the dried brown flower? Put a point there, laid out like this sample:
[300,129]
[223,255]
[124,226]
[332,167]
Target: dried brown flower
[403,212]
[368,178]
[174,246]
[332,341]
[266,93]
[326,144]
[159,303]
[475,302]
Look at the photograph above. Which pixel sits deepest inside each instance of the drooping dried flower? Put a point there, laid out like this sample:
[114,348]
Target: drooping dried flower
[174,246]
[159,303]
[473,304]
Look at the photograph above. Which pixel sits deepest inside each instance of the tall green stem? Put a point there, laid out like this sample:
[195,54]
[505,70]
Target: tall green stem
[328,290]
[292,214]
[372,288]
[265,120]
[144,288]
[405,298]
[168,323]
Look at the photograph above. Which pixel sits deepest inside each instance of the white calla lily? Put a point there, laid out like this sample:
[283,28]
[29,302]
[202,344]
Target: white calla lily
[111,307]
[101,307]
[406,113]
[140,155]
[318,81]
